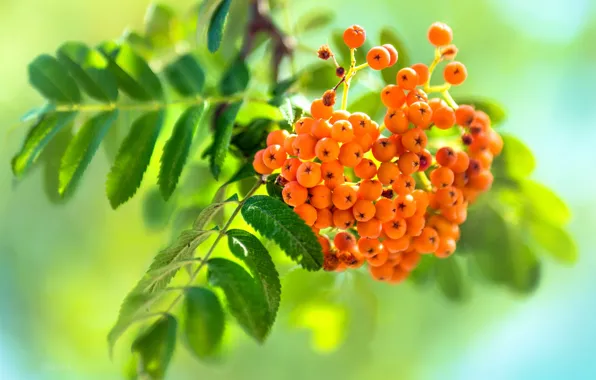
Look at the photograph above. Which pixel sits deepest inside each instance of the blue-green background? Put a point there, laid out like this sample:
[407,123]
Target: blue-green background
[65,268]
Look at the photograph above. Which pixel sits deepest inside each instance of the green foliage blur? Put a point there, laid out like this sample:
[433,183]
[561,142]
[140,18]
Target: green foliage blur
[67,265]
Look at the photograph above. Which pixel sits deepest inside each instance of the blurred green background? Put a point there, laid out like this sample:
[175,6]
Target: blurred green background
[64,269]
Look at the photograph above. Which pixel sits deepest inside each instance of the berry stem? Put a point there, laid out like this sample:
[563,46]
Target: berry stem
[360,67]
[423,180]
[347,78]
[449,99]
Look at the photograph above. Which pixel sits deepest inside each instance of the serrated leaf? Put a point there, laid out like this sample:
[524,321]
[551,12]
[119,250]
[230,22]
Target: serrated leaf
[314,21]
[287,110]
[245,299]
[222,136]
[132,72]
[216,25]
[235,78]
[494,110]
[555,241]
[389,36]
[52,80]
[368,103]
[204,321]
[155,346]
[246,247]
[133,158]
[209,212]
[450,278]
[90,69]
[175,152]
[82,148]
[186,75]
[543,204]
[162,27]
[37,139]
[273,189]
[276,221]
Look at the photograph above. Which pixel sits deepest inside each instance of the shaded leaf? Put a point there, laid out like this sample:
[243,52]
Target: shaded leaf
[248,248]
[82,148]
[450,278]
[276,221]
[133,158]
[216,25]
[156,211]
[273,189]
[162,28]
[90,68]
[224,125]
[204,321]
[37,138]
[50,159]
[245,299]
[389,36]
[186,75]
[494,110]
[555,241]
[283,86]
[252,137]
[314,21]
[245,171]
[319,77]
[175,152]
[52,80]
[235,78]
[132,72]
[155,346]
[37,112]
[368,103]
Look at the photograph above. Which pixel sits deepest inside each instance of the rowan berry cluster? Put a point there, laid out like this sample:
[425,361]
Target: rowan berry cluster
[384,195]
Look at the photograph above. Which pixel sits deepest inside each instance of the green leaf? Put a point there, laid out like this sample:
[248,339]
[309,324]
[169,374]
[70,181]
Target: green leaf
[388,36]
[246,247]
[139,43]
[204,321]
[252,137]
[340,49]
[245,299]
[257,110]
[82,148]
[245,171]
[162,28]
[543,204]
[319,77]
[37,139]
[90,69]
[369,103]
[276,221]
[273,189]
[50,159]
[209,212]
[450,278]
[52,80]
[175,152]
[314,21]
[235,78]
[186,75]
[516,160]
[283,86]
[156,211]
[37,112]
[216,25]
[132,72]
[224,126]
[525,272]
[133,158]
[494,110]
[155,346]
[555,241]
[287,110]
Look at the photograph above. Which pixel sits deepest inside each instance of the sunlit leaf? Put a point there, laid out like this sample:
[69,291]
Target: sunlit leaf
[204,321]
[224,125]
[216,25]
[555,241]
[52,80]
[543,204]
[155,346]
[186,75]
[162,28]
[257,110]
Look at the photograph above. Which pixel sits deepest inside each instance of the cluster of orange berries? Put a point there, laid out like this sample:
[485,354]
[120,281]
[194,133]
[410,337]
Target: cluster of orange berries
[371,192]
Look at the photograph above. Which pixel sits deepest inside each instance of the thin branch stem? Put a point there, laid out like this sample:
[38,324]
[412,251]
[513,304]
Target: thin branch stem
[424,181]
[449,99]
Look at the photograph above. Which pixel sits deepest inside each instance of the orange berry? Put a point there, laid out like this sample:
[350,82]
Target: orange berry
[327,149]
[274,156]
[442,177]
[462,161]
[289,145]
[408,163]
[425,158]
[363,210]
[396,121]
[320,197]
[339,115]
[381,272]
[414,225]
[395,228]
[397,245]
[404,184]
[378,58]
[342,131]
[414,140]
[405,206]
[440,34]
[495,144]
[444,117]
[350,154]
[343,219]
[416,95]
[409,261]
[289,168]
[294,194]
[374,130]
[455,73]
[259,165]
[446,248]
[277,137]
[365,141]
[396,139]
[420,114]
[309,174]
[370,189]
[361,123]
[393,55]
[482,182]
[446,156]
[384,150]
[387,173]
[304,146]
[446,196]
[399,275]
[307,213]
[427,241]
[344,197]
[485,158]
[422,201]
[354,36]
[324,219]
[366,169]
[436,103]
[303,125]
[422,72]
[369,247]
[378,259]
[392,96]
[444,227]
[344,241]
[407,78]
[370,229]
[332,170]
[325,243]
[321,129]
[464,115]
[319,110]
[385,209]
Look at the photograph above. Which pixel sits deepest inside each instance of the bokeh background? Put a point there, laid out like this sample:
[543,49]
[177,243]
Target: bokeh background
[65,268]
